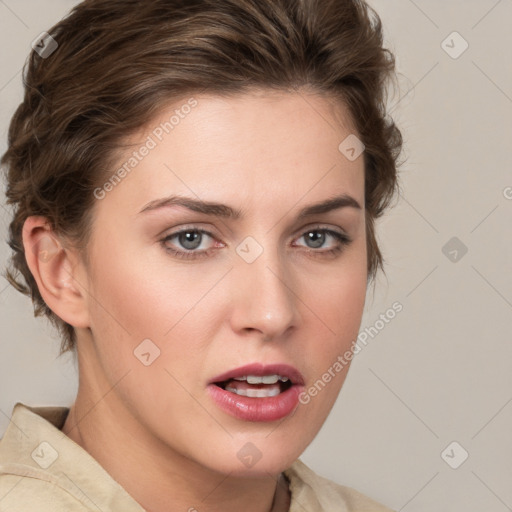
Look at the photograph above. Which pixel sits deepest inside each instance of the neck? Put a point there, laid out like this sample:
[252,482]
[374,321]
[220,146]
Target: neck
[159,478]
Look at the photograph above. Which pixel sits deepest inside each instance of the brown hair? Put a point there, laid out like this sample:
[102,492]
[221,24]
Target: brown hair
[119,61]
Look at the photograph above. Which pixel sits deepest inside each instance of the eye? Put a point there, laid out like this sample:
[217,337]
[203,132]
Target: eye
[190,240]
[189,243]
[315,238]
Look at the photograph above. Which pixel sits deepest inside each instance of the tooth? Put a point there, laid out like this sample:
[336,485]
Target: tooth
[253,379]
[262,393]
[265,379]
[256,393]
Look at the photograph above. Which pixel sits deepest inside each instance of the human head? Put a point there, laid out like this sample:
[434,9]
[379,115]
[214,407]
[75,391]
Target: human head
[118,62]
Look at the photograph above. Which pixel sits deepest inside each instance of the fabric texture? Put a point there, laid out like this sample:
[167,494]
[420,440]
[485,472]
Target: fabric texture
[43,470]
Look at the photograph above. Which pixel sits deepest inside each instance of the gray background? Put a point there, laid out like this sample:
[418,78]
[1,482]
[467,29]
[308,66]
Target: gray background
[440,370]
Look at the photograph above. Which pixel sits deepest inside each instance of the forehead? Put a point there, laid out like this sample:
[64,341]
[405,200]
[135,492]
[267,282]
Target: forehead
[274,145]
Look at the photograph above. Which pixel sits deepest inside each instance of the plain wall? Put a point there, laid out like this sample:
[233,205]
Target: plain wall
[440,370]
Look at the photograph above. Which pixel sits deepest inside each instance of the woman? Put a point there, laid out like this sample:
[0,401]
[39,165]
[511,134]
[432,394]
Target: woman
[195,186]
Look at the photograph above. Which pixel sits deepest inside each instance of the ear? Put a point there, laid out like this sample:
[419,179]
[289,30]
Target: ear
[58,271]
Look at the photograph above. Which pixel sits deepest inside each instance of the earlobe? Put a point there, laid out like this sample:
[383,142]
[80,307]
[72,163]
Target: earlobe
[56,270]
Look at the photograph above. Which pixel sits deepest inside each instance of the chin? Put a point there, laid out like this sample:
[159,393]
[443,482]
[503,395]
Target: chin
[255,457]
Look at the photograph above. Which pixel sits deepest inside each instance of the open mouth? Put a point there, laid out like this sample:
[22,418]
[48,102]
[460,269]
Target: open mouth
[256,386]
[258,392]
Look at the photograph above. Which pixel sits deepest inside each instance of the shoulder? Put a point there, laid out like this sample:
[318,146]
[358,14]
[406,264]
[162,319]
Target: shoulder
[24,484]
[42,469]
[313,491]
[30,492]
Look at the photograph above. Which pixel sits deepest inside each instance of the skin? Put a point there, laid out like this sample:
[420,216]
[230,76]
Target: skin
[155,428]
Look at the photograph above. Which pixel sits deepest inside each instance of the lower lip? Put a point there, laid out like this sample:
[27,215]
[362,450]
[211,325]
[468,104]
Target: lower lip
[246,408]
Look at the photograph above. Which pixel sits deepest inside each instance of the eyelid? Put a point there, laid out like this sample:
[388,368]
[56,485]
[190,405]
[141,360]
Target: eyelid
[189,227]
[320,226]
[185,229]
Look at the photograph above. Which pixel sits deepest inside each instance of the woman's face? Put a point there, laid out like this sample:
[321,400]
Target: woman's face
[171,313]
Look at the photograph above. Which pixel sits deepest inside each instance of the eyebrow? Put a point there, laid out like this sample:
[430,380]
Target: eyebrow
[223,210]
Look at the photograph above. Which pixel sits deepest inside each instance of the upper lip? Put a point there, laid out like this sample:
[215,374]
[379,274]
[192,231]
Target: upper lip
[259,369]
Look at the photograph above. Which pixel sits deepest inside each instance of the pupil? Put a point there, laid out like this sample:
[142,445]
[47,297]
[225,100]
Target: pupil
[316,237]
[190,239]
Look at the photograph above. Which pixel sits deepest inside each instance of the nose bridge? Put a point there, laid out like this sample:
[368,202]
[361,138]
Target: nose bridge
[264,297]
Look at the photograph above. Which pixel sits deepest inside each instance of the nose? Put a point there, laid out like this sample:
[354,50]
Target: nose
[264,299]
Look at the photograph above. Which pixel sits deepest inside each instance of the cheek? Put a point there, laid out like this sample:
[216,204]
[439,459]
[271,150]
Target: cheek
[136,298]
[340,300]
[133,294]
[338,304]
[126,307]
[343,305]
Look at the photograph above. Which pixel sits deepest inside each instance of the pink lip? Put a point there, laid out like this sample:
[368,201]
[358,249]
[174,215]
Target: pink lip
[258,369]
[258,409]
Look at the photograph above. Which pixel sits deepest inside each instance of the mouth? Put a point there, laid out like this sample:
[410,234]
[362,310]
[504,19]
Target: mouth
[258,380]
[256,386]
[258,392]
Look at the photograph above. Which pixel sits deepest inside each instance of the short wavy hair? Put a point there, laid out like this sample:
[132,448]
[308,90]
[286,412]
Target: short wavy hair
[118,62]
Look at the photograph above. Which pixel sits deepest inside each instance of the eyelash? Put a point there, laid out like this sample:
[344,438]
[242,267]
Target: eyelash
[342,239]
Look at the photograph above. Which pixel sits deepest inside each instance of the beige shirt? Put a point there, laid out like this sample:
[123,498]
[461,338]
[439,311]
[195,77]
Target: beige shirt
[43,470]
